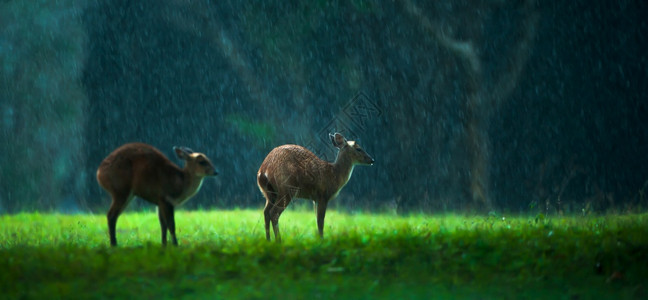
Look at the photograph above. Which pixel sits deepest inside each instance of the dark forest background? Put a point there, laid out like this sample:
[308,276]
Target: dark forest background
[473,105]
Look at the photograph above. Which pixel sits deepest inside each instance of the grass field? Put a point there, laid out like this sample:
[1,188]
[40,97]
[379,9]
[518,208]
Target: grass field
[223,254]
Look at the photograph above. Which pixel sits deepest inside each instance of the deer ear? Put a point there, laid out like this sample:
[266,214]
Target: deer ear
[338,140]
[182,152]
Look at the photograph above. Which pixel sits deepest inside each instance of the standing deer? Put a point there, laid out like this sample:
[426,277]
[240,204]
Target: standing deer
[138,169]
[291,171]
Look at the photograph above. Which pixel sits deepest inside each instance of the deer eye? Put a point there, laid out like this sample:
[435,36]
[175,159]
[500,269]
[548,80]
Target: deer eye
[359,149]
[203,163]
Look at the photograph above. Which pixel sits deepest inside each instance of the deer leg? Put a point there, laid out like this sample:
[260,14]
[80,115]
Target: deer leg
[321,213]
[275,213]
[266,218]
[171,224]
[163,225]
[113,214]
[274,217]
[271,202]
[119,202]
[275,228]
[166,209]
[271,198]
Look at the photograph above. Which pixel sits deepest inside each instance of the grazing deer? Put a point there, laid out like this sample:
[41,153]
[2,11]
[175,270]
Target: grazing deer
[138,169]
[291,171]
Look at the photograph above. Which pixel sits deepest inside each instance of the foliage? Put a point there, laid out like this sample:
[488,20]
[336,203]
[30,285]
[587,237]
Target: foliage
[224,253]
[259,132]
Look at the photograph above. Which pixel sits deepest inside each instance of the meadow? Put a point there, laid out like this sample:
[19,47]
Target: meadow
[224,254]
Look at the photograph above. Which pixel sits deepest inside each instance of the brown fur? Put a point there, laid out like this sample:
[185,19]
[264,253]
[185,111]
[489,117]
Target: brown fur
[138,169]
[292,171]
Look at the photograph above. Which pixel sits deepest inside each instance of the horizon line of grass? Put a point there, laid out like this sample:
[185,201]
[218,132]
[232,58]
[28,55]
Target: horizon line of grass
[225,253]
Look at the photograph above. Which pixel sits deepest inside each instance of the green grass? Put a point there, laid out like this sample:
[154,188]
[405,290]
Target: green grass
[223,254]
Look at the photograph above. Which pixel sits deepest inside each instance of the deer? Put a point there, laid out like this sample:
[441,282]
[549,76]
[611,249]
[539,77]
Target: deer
[138,169]
[292,171]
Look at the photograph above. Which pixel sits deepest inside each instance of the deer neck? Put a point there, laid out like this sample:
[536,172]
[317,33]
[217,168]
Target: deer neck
[342,170]
[190,186]
[193,184]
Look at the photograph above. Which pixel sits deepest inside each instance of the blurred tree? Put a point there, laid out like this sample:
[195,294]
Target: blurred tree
[488,79]
[42,49]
